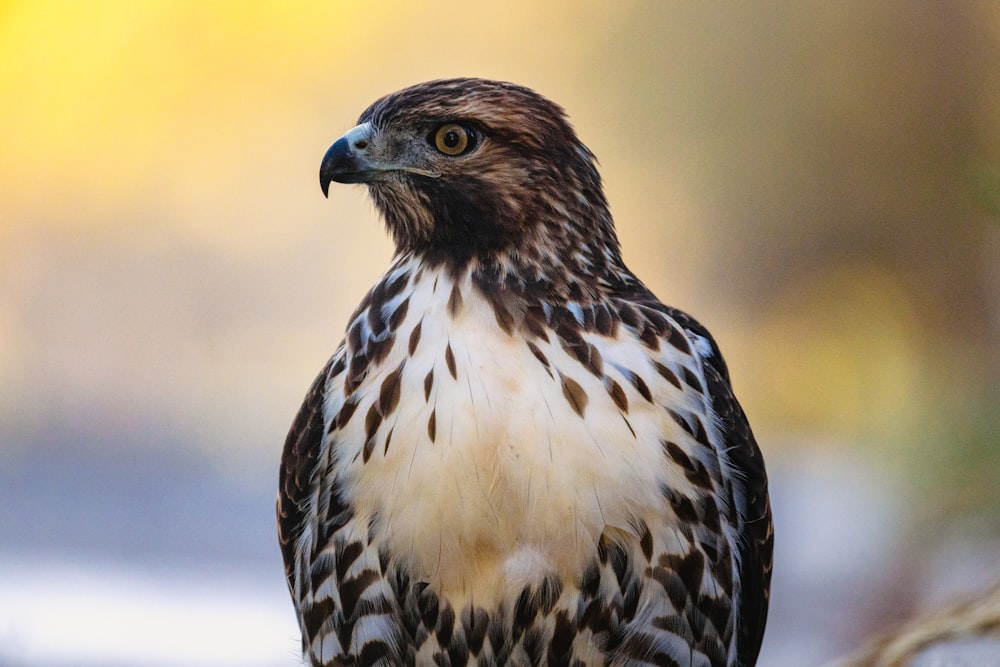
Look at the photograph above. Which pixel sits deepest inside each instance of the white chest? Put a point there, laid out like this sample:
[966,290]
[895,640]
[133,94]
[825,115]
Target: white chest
[484,476]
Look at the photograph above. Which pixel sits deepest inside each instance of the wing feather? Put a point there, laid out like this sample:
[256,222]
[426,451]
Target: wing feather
[755,530]
[298,467]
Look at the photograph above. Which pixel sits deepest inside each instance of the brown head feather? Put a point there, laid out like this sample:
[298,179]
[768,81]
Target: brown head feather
[526,197]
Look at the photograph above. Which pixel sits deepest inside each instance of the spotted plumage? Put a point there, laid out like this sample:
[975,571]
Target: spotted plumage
[518,455]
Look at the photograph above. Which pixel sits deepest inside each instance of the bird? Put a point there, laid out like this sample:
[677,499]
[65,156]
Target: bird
[517,455]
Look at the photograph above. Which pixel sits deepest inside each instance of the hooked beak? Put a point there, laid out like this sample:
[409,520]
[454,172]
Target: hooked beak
[346,160]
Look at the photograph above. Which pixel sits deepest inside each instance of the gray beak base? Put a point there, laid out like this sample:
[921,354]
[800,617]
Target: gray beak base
[345,161]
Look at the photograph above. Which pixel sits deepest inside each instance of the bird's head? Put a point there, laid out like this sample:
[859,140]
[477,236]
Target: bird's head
[469,169]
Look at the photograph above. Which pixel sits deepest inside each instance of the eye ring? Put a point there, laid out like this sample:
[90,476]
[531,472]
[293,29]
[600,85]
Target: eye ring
[453,139]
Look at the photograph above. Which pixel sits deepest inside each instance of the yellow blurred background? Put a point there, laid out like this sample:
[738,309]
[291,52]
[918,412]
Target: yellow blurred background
[818,183]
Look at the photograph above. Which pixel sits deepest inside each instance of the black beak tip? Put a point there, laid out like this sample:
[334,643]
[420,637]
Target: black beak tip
[324,183]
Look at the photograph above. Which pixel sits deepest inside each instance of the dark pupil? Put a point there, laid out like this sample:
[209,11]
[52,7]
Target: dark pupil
[451,139]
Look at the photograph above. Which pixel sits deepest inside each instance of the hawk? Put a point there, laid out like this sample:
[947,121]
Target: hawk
[517,455]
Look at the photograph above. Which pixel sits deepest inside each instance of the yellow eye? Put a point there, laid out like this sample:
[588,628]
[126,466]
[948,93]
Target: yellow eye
[452,139]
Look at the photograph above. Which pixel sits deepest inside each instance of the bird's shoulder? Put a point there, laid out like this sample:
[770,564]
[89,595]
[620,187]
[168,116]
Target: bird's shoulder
[745,475]
[299,460]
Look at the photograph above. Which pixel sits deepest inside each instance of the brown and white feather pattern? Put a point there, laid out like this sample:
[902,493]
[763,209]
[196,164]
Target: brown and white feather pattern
[518,456]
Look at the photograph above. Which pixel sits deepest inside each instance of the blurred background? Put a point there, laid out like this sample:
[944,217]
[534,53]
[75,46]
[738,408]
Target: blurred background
[818,183]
